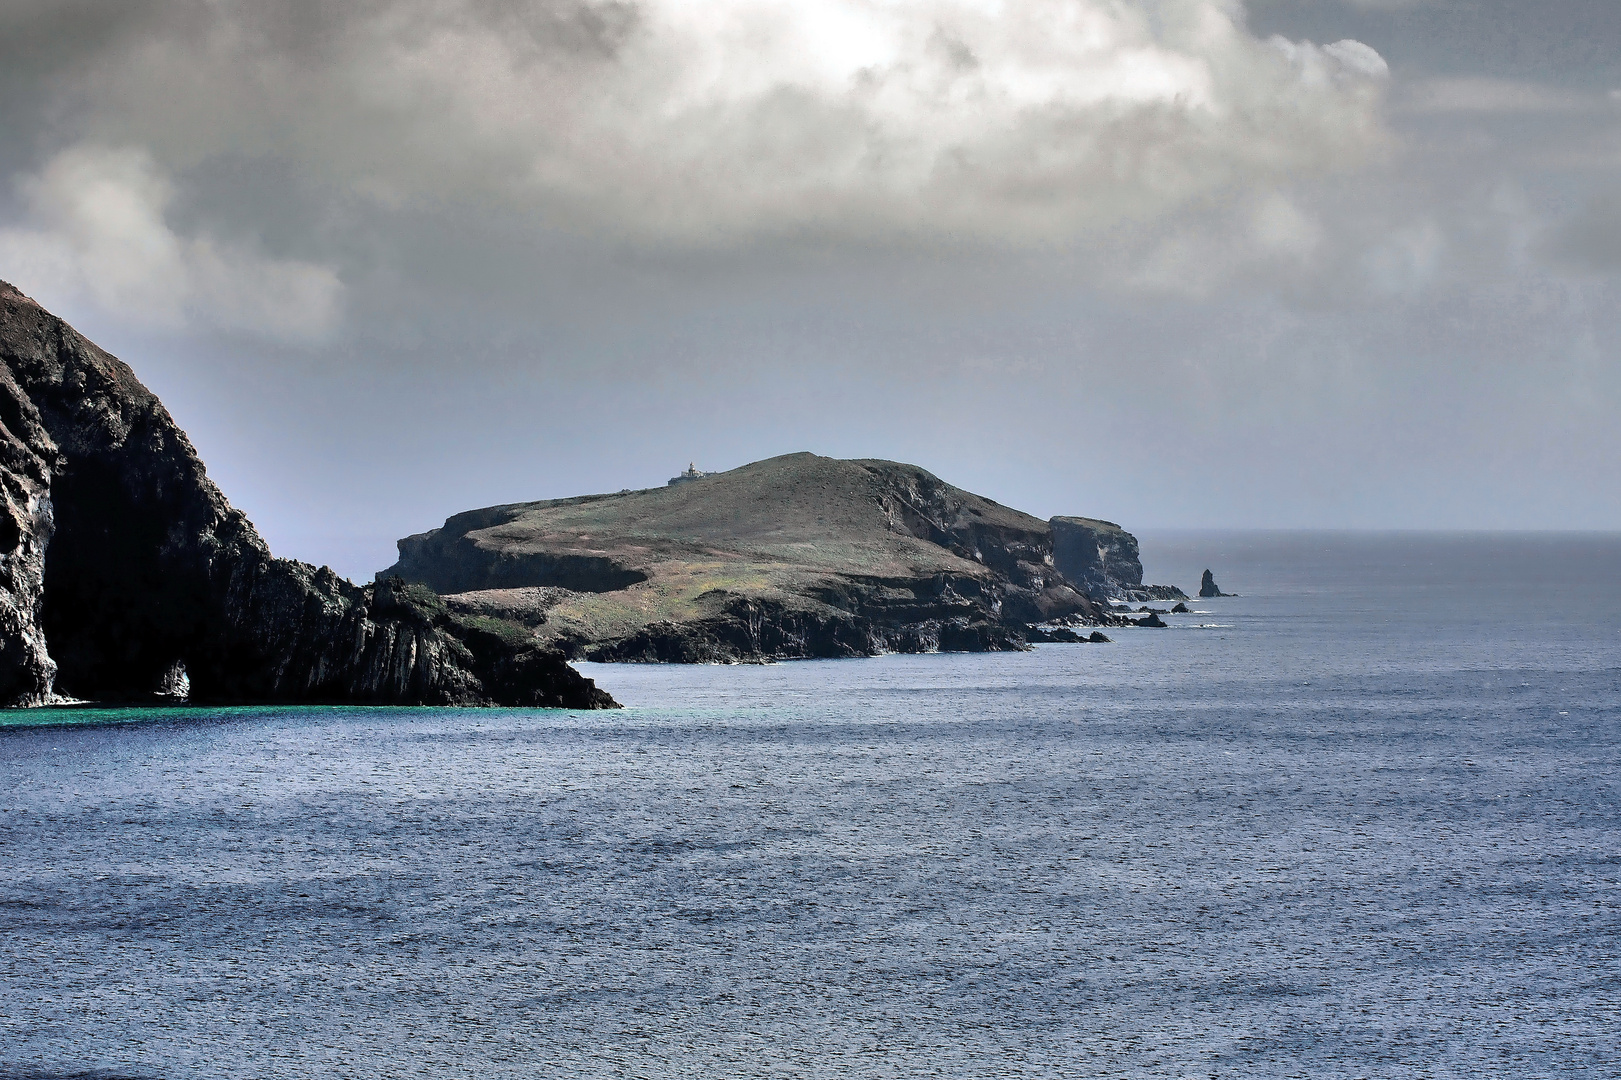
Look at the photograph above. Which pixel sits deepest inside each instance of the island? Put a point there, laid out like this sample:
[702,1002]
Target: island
[796,556]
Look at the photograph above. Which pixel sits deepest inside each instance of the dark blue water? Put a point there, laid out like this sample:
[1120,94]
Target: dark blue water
[1360,821]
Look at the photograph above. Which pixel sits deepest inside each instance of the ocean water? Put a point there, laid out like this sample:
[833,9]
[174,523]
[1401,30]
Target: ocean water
[1360,821]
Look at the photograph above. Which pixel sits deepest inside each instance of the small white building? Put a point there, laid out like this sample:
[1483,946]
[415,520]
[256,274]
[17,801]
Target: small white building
[687,477]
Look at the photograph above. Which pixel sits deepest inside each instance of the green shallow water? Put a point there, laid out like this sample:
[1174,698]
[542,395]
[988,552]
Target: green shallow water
[98,715]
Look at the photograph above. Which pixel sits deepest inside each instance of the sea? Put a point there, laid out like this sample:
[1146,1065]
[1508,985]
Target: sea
[1359,820]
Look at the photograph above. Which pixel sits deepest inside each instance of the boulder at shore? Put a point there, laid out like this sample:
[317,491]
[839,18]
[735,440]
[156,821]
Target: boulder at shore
[126,576]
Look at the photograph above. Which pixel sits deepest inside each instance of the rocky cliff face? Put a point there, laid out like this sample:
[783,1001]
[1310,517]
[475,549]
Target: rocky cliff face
[1102,558]
[28,458]
[795,556]
[1099,556]
[127,573]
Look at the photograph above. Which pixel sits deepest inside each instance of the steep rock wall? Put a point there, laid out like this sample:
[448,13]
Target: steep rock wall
[1103,560]
[1099,556]
[27,459]
[453,562]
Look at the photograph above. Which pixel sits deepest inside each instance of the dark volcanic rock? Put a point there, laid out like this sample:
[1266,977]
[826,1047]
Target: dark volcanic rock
[1152,619]
[1181,609]
[450,561]
[779,632]
[1208,588]
[1102,560]
[127,569]
[1099,638]
[1097,555]
[27,460]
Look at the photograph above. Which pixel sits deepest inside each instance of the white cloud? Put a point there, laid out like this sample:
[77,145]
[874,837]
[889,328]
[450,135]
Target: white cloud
[732,121]
[97,234]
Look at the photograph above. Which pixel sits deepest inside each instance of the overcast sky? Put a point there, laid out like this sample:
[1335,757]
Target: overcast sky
[1327,263]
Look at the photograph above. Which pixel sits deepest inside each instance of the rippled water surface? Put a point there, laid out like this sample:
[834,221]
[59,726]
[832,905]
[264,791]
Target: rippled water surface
[1360,821]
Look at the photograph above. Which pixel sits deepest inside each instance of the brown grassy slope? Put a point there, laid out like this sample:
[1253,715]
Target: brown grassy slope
[799,509]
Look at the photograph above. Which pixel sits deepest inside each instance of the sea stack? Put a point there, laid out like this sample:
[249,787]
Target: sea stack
[1208,587]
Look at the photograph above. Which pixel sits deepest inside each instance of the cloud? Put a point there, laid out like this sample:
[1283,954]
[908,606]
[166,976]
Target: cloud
[1348,244]
[732,121]
[1266,236]
[97,233]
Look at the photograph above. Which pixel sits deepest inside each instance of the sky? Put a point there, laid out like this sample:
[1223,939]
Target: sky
[1174,263]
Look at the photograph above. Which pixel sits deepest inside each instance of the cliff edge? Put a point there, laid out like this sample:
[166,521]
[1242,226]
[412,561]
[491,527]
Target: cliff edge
[126,575]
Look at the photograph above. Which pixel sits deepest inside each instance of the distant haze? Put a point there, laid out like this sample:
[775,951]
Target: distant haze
[1174,263]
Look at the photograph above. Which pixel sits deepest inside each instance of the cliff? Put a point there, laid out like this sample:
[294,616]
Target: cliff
[127,574]
[795,556]
[1102,559]
[28,458]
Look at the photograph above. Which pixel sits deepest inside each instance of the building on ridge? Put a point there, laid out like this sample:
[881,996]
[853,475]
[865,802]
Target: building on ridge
[687,477]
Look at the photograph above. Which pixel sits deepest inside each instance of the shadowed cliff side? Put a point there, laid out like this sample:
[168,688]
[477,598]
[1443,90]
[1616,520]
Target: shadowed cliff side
[128,573]
[1102,559]
[1099,556]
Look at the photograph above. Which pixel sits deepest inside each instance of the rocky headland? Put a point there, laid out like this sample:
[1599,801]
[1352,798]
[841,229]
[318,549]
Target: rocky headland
[796,556]
[125,575]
